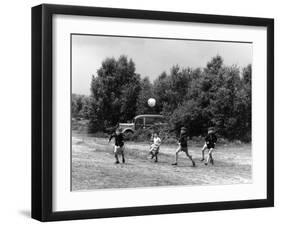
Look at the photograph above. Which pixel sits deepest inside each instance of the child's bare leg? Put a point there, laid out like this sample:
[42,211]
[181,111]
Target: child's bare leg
[156,154]
[190,157]
[116,154]
[122,154]
[177,152]
[203,152]
[116,157]
[177,156]
[156,157]
[210,157]
[151,153]
[123,157]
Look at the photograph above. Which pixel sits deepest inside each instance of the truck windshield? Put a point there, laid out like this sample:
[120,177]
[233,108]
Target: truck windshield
[153,120]
[138,123]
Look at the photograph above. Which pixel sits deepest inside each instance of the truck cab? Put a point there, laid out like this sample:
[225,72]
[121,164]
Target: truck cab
[142,122]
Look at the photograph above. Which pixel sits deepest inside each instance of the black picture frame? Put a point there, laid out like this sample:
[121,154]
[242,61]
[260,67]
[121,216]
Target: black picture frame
[42,111]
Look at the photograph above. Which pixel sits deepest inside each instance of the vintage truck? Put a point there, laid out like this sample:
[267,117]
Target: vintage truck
[142,122]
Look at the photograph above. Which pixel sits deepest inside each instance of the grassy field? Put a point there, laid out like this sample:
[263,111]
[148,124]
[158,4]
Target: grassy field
[93,165]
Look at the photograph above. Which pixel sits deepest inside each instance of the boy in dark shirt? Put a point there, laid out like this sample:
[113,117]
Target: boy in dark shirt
[119,144]
[210,142]
[183,146]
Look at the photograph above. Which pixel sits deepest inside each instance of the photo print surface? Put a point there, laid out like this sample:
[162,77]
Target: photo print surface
[149,112]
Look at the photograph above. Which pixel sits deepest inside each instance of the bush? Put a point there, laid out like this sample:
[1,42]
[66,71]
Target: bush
[80,125]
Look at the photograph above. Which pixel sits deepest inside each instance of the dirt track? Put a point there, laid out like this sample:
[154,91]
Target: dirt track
[93,166]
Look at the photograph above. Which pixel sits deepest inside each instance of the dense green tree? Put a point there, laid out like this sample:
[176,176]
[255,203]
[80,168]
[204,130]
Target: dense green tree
[170,90]
[216,95]
[78,102]
[219,96]
[214,66]
[114,93]
[146,92]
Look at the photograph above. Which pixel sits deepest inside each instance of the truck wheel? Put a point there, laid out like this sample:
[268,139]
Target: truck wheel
[128,135]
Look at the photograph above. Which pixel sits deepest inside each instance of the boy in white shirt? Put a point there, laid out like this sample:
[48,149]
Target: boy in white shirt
[155,146]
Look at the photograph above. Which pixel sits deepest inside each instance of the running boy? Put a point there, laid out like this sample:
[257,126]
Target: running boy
[210,142]
[155,146]
[119,144]
[183,146]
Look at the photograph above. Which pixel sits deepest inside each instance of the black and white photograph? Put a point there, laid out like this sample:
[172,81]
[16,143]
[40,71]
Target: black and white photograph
[149,112]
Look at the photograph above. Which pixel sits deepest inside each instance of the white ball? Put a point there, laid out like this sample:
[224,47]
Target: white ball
[151,102]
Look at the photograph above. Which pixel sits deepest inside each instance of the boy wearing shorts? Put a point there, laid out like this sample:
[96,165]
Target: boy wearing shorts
[210,142]
[183,146]
[155,146]
[119,145]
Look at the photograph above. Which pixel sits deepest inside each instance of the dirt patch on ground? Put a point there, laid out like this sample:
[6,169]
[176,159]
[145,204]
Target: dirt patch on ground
[93,166]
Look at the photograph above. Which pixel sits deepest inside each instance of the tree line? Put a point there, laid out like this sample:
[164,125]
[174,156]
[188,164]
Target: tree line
[216,95]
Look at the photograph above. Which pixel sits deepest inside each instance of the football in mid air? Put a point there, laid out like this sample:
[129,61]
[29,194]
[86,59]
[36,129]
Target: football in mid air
[151,102]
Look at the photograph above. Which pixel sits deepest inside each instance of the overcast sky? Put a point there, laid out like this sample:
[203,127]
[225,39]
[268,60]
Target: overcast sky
[151,56]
